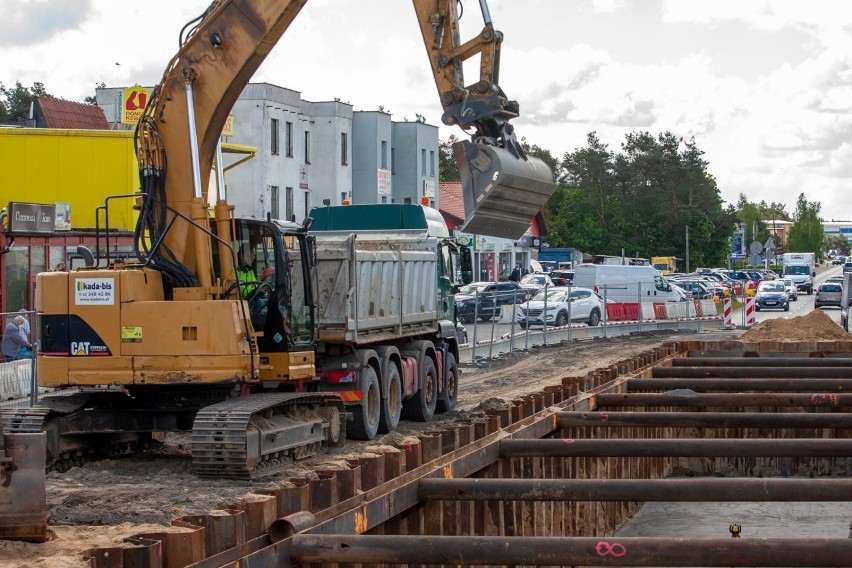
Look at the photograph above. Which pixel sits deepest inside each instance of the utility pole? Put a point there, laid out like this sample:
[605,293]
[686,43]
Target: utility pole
[687,249]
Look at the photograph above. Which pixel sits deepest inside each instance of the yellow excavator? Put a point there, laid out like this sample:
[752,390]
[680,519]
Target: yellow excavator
[268,370]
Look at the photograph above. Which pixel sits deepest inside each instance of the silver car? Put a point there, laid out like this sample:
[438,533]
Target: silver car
[828,294]
[792,290]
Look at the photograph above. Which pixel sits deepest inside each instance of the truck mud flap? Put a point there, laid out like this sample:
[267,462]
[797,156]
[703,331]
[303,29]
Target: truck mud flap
[23,508]
[502,193]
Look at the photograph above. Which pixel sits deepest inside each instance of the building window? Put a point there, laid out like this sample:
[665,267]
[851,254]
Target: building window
[432,163]
[342,197]
[384,199]
[274,203]
[384,155]
[307,147]
[343,149]
[291,214]
[289,139]
[307,203]
[423,161]
[273,142]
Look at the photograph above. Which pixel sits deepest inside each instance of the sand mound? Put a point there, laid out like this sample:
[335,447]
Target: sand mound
[816,326]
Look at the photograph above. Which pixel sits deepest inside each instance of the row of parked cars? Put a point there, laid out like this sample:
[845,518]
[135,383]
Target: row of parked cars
[541,300]
[706,283]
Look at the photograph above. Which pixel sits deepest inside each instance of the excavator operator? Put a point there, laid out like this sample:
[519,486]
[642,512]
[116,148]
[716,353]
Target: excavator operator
[246,276]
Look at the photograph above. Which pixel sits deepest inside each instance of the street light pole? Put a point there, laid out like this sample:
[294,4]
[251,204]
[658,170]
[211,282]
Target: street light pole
[687,249]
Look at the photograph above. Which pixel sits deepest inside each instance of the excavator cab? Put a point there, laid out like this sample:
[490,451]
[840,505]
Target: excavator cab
[273,278]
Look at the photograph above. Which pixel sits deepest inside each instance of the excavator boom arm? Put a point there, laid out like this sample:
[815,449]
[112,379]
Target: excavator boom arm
[178,134]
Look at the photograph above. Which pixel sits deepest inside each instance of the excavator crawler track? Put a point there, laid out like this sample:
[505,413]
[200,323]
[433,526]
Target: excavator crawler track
[61,451]
[259,434]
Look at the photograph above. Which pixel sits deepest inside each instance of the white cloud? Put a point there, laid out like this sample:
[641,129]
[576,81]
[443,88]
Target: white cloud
[772,130]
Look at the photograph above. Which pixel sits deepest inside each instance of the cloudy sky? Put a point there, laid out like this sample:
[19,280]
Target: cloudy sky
[764,86]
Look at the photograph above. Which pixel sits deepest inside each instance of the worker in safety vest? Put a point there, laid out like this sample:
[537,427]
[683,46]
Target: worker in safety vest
[245,271]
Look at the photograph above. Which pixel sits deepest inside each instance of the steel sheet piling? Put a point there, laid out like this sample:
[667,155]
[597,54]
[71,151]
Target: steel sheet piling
[679,447]
[692,399]
[560,551]
[673,489]
[796,420]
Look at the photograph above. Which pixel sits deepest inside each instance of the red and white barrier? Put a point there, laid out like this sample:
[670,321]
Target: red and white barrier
[750,312]
[727,316]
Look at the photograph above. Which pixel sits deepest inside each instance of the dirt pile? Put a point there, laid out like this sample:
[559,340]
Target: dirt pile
[815,326]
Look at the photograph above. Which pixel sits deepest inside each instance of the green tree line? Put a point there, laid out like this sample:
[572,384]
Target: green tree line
[644,199]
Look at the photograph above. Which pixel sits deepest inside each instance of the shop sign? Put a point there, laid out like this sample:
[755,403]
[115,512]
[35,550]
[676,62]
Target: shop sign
[31,218]
[134,100]
[384,181]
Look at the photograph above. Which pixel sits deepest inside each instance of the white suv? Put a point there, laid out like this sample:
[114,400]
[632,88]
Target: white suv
[559,305]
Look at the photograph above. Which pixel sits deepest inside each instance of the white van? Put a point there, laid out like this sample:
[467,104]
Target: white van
[625,283]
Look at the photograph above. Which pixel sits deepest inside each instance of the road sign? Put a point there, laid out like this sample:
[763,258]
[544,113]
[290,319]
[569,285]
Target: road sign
[755,248]
[754,260]
[770,245]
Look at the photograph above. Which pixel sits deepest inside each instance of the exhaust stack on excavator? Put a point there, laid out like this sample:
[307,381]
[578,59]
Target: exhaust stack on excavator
[502,192]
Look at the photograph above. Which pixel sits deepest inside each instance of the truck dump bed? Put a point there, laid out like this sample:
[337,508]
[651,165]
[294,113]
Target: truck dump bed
[374,288]
[377,271]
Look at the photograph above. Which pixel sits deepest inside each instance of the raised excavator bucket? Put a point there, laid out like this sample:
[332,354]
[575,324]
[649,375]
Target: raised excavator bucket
[502,192]
[23,501]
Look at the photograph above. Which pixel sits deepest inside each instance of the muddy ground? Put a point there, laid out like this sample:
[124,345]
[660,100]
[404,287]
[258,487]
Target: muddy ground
[103,502]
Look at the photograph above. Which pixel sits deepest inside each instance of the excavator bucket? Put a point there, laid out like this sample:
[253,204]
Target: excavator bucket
[502,193]
[23,500]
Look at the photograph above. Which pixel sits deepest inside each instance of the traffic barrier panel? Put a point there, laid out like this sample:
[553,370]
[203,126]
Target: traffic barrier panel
[614,311]
[696,306]
[506,313]
[631,311]
[708,308]
[727,317]
[750,314]
[660,311]
[648,311]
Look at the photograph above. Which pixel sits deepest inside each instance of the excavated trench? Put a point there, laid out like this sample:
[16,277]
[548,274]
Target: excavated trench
[550,478]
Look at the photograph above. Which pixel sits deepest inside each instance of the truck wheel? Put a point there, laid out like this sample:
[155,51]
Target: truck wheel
[594,318]
[421,406]
[391,401]
[449,396]
[365,416]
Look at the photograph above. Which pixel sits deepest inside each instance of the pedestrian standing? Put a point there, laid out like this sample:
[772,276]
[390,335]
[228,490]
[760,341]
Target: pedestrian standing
[13,339]
[516,274]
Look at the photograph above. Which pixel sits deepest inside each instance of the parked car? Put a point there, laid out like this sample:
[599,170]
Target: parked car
[745,281]
[559,305]
[534,282]
[562,277]
[698,289]
[792,289]
[828,294]
[772,295]
[484,300]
